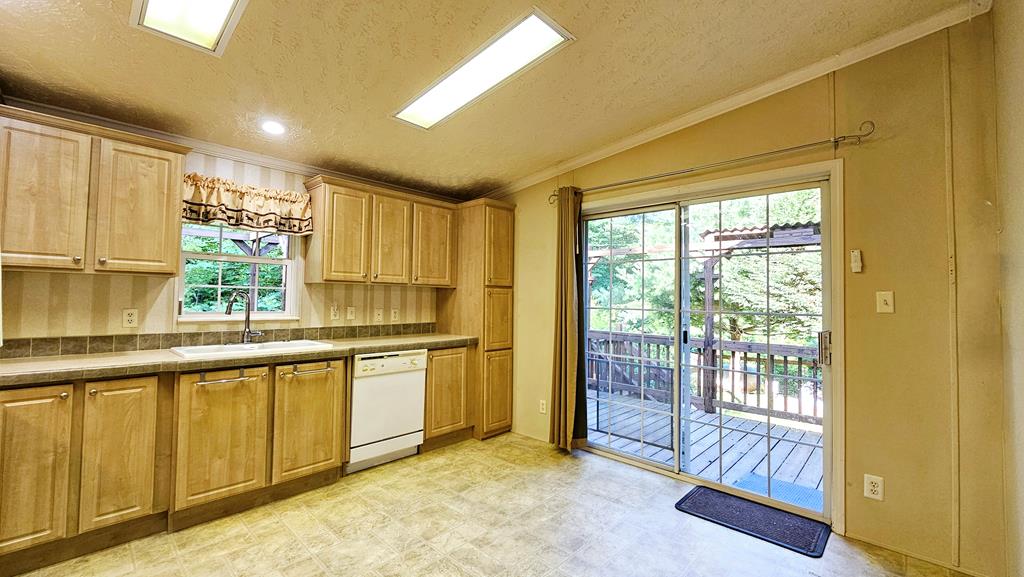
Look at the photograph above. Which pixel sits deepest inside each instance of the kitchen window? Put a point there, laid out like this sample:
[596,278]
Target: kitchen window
[218,260]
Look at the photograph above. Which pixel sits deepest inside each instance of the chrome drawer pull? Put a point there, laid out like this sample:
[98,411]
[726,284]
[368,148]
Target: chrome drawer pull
[224,381]
[310,372]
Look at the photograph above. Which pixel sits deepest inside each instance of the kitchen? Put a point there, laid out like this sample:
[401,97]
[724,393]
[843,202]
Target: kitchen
[504,289]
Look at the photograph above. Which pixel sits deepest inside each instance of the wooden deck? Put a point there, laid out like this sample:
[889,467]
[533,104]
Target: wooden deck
[645,430]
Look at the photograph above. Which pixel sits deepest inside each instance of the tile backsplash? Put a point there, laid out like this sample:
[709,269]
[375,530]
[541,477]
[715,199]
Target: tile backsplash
[55,346]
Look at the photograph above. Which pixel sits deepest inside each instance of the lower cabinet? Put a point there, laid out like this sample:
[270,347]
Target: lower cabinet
[35,442]
[118,451]
[447,396]
[222,434]
[496,398]
[308,425]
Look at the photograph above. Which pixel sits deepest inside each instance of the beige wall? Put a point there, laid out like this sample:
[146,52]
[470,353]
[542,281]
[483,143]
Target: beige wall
[1009,15]
[923,386]
[44,304]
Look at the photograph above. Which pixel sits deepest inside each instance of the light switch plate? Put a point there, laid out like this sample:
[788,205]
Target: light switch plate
[378,315]
[884,302]
[394,315]
[335,312]
[350,313]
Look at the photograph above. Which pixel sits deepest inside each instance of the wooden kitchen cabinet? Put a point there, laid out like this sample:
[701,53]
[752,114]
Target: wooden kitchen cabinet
[499,240]
[138,209]
[44,195]
[222,434]
[339,248]
[497,319]
[447,392]
[118,451]
[392,240]
[433,245]
[35,441]
[54,172]
[497,391]
[308,426]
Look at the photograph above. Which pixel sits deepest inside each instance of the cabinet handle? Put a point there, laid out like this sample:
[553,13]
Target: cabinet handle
[93,392]
[376,274]
[303,373]
[225,381]
[76,259]
[64,396]
[363,275]
[103,260]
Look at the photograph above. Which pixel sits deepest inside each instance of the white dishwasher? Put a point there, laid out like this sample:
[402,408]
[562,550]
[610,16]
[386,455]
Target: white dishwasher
[388,391]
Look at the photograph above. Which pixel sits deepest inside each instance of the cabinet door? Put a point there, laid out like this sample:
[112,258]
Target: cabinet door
[308,431]
[433,245]
[138,209]
[347,235]
[497,391]
[392,239]
[222,435]
[118,452]
[44,195]
[35,438]
[497,319]
[498,242]
[446,392]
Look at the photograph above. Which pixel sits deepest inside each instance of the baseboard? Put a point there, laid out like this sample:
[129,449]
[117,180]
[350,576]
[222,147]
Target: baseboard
[446,440]
[213,510]
[45,554]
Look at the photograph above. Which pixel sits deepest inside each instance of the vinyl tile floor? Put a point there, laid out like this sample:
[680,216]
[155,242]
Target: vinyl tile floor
[506,507]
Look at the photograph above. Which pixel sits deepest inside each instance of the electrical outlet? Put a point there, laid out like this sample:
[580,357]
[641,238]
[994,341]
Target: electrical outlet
[335,312]
[350,313]
[378,315]
[543,407]
[874,487]
[129,318]
[394,315]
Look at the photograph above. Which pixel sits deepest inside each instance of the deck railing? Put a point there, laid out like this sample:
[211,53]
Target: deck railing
[731,374]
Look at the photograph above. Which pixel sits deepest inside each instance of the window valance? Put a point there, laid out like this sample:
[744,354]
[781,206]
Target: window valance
[209,199]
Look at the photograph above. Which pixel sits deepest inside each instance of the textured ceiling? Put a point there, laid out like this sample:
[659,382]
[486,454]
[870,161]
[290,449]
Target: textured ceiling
[334,72]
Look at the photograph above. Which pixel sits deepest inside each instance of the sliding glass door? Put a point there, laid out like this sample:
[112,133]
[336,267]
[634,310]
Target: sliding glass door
[702,342]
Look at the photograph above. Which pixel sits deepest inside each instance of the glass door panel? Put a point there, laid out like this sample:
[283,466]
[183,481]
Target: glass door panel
[631,306]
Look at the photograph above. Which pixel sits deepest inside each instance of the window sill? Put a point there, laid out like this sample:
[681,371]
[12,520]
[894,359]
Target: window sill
[235,318]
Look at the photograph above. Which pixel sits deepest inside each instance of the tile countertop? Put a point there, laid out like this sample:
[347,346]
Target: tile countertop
[39,370]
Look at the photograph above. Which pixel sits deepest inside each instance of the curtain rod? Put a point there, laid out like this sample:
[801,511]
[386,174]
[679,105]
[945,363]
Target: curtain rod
[867,128]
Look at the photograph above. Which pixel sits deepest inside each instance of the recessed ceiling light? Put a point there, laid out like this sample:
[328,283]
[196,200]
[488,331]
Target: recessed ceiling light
[272,127]
[509,52]
[203,24]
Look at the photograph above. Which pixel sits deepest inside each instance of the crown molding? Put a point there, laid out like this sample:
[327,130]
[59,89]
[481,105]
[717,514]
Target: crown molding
[945,19]
[210,148]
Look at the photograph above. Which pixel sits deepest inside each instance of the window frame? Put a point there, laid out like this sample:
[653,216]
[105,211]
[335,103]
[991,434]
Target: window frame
[291,283]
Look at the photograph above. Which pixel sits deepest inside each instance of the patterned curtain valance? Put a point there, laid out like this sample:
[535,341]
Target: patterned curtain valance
[209,199]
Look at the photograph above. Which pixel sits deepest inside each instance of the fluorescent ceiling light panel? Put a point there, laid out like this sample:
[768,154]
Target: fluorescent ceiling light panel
[204,24]
[502,57]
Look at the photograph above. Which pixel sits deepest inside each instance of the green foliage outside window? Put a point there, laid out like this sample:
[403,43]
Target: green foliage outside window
[210,278]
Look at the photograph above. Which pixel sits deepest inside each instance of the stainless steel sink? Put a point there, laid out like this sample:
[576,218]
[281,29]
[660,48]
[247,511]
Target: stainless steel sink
[248,349]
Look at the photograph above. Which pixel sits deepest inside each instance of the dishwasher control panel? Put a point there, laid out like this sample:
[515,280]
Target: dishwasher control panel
[387,363]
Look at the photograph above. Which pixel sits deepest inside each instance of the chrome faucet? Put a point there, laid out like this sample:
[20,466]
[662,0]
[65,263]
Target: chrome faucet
[247,333]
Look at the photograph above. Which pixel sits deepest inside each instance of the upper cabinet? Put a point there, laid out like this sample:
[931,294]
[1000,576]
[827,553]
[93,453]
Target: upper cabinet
[138,209]
[82,197]
[392,240]
[43,230]
[364,233]
[433,242]
[499,240]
